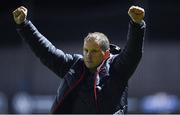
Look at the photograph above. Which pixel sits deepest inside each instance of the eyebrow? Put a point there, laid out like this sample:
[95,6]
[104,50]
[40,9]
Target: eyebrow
[95,49]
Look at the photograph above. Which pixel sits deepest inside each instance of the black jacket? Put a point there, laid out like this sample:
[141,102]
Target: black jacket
[80,91]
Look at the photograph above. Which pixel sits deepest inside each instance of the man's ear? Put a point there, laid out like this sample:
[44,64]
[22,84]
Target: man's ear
[106,55]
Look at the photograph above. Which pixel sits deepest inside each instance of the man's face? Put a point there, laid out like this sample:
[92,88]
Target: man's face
[93,55]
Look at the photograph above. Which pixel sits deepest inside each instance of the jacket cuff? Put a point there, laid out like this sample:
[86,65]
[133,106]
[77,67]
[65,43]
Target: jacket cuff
[142,24]
[22,24]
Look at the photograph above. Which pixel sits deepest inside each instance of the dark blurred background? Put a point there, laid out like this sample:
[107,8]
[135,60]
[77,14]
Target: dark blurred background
[26,86]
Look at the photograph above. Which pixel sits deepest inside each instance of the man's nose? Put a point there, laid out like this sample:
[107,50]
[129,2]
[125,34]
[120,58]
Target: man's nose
[89,54]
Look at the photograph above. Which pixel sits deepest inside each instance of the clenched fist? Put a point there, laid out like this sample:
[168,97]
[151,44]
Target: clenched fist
[136,13]
[20,14]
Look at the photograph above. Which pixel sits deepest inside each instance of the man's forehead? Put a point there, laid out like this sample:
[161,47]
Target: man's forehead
[97,48]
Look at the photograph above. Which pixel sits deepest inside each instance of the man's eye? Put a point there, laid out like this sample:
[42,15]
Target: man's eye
[85,50]
[94,51]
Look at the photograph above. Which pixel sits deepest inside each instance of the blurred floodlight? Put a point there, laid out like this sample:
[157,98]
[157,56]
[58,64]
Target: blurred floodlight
[160,103]
[24,103]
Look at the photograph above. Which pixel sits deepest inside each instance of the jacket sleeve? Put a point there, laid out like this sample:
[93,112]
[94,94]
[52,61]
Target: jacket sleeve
[128,59]
[53,58]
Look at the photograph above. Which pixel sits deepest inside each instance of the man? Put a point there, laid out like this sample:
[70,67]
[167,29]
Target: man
[96,82]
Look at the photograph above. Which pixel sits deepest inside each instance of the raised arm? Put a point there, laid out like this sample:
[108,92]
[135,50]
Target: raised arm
[52,57]
[132,52]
